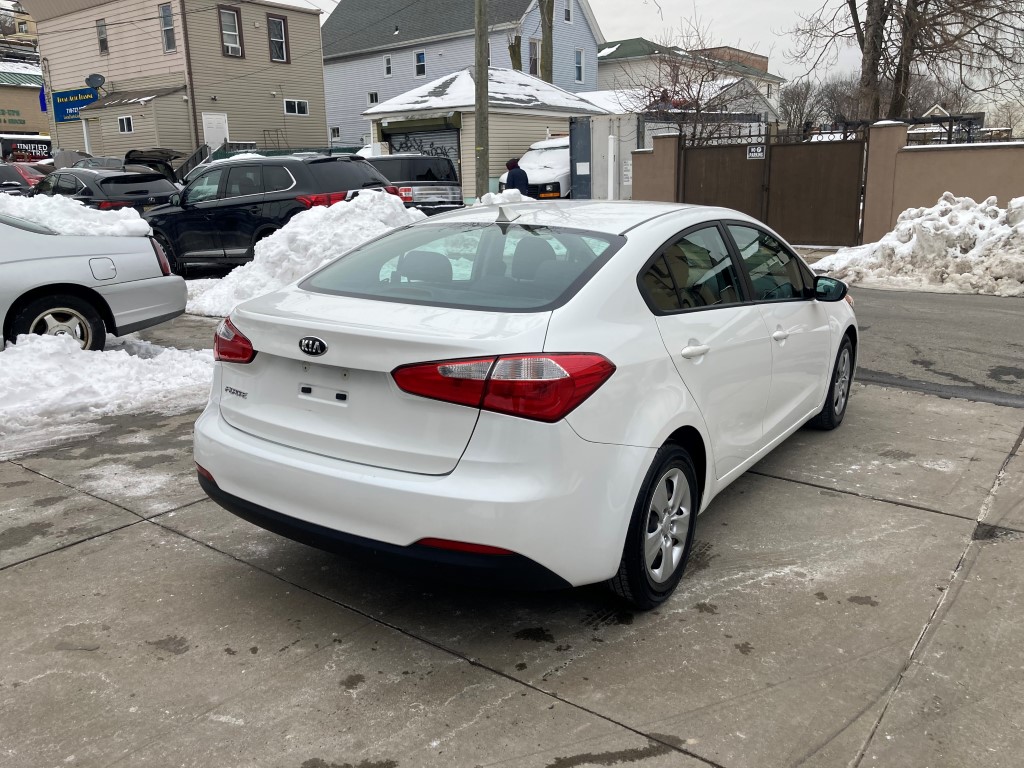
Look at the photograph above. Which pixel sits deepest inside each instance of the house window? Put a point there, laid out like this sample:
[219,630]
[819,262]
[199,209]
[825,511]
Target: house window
[372,98]
[421,63]
[387,66]
[231,32]
[579,65]
[568,11]
[101,35]
[535,57]
[277,30]
[167,27]
[296,107]
[124,124]
[769,90]
[22,27]
[335,133]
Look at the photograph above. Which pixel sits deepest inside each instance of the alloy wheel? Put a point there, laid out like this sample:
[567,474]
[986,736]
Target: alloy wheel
[668,525]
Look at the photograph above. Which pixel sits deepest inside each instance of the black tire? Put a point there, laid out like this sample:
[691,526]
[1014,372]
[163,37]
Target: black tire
[838,399]
[62,315]
[648,584]
[177,267]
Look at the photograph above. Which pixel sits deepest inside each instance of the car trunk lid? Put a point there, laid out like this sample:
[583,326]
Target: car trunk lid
[343,403]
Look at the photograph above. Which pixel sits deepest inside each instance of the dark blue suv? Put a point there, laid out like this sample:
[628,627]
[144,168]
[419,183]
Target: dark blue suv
[233,204]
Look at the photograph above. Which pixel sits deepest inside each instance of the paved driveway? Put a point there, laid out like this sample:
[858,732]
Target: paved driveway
[843,607]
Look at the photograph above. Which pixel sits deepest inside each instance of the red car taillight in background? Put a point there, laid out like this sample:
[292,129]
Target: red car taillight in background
[542,387]
[28,176]
[327,198]
[230,345]
[161,257]
[112,205]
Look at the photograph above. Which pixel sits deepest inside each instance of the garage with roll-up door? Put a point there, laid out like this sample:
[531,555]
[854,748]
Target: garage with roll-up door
[443,143]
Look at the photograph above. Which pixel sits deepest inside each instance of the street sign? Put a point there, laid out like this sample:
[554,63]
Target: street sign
[67,103]
[755,152]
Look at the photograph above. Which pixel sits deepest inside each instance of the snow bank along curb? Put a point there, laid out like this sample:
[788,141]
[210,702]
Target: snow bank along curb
[304,244]
[70,217]
[48,383]
[955,246]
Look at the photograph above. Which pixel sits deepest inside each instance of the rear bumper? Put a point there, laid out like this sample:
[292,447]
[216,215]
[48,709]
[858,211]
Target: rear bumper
[513,571]
[539,490]
[143,303]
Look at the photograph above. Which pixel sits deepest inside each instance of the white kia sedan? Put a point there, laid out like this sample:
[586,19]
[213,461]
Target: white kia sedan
[543,393]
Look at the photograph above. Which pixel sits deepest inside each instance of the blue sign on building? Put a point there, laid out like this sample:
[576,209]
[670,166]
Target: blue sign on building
[67,103]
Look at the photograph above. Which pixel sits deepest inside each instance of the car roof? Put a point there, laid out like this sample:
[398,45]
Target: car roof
[611,217]
[559,143]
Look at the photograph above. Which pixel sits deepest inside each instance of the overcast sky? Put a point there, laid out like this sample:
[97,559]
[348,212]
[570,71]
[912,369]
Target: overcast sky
[754,25]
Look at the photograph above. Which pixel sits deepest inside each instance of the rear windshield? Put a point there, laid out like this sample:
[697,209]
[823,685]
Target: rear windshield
[138,184]
[509,268]
[344,175]
[9,173]
[416,169]
[31,171]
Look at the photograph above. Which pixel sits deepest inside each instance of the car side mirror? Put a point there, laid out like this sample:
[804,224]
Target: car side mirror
[829,289]
[175,199]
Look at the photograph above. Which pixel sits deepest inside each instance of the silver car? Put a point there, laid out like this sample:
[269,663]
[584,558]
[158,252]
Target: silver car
[82,286]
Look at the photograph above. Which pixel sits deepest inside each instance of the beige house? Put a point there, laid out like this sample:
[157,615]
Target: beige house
[17,33]
[19,99]
[180,74]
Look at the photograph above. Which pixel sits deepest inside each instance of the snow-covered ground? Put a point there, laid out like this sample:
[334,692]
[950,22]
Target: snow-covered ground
[51,389]
[309,240]
[70,217]
[954,246]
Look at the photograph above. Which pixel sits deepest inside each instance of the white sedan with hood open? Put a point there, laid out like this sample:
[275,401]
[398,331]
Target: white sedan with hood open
[546,394]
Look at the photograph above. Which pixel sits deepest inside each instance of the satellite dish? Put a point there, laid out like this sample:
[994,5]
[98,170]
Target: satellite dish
[95,81]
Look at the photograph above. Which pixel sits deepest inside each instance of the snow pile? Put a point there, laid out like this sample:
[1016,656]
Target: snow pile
[307,242]
[50,387]
[955,246]
[70,217]
[508,196]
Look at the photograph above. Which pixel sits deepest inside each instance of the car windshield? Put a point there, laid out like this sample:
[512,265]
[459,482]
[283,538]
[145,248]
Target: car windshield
[553,157]
[416,168]
[501,267]
[24,224]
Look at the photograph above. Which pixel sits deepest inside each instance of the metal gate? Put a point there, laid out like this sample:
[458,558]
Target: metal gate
[433,143]
[579,158]
[810,192]
[814,192]
[722,175]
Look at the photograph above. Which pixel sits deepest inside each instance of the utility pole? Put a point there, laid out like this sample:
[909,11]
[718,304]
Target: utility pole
[482,124]
[547,39]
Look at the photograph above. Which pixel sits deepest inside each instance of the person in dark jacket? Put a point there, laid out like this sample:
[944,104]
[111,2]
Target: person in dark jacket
[517,178]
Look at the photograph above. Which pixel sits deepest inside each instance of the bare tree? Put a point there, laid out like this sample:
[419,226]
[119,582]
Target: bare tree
[976,43]
[1007,114]
[838,98]
[799,103]
[682,85]
[547,21]
[514,36]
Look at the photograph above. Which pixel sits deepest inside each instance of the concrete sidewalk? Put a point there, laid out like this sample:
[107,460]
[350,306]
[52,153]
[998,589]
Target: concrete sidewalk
[844,606]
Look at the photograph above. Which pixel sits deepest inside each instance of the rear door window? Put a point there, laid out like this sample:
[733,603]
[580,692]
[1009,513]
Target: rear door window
[244,180]
[276,178]
[205,187]
[471,266]
[344,175]
[774,271]
[695,271]
[67,185]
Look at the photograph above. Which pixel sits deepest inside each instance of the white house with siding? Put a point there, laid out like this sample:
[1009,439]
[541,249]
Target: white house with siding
[373,53]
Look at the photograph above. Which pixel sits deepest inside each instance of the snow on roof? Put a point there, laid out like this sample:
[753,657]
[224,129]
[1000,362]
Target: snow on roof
[608,51]
[617,102]
[21,67]
[121,98]
[506,88]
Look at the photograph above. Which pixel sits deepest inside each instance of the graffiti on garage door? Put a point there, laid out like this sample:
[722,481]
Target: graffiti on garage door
[432,143]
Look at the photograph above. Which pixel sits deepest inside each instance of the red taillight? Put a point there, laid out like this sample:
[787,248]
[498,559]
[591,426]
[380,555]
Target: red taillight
[329,198]
[230,346]
[395,191]
[542,387]
[405,193]
[205,473]
[112,205]
[461,546]
[161,257]
[28,177]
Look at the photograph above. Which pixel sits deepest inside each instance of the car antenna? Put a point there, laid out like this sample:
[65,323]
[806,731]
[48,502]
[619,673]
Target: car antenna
[504,219]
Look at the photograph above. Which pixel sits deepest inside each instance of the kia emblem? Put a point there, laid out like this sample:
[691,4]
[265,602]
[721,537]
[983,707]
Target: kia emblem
[312,346]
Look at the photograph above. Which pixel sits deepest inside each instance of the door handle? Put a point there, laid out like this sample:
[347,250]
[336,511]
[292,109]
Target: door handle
[698,350]
[780,335]
[255,209]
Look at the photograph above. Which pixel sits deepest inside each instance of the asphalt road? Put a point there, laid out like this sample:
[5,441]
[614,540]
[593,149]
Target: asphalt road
[949,345]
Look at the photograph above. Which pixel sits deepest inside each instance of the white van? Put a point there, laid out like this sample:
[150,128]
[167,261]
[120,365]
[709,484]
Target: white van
[547,168]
